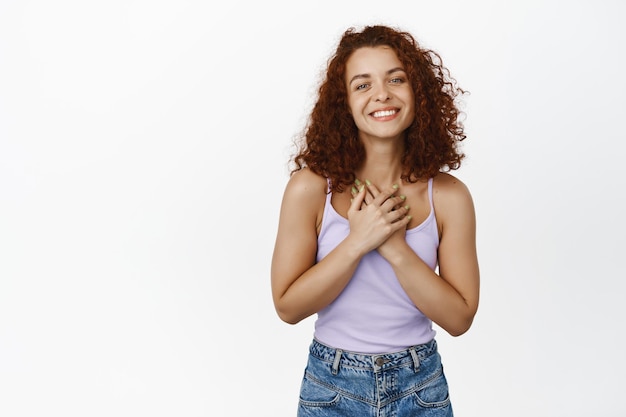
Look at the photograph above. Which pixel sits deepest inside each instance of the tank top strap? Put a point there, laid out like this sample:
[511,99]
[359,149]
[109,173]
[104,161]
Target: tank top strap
[430,194]
[329,195]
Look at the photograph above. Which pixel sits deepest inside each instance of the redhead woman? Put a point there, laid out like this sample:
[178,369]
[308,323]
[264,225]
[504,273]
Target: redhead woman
[376,237]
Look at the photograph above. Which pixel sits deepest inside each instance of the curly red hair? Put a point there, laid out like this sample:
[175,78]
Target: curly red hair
[330,145]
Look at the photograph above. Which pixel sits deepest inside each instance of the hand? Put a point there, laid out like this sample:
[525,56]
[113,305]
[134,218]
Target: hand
[398,237]
[376,216]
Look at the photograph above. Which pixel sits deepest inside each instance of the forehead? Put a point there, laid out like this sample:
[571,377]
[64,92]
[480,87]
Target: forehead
[370,60]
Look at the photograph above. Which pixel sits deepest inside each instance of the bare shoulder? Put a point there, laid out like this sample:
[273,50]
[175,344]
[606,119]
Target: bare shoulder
[305,183]
[306,189]
[448,187]
[451,197]
[305,195]
[448,182]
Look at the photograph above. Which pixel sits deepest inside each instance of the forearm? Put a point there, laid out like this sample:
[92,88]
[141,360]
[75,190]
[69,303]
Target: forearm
[432,294]
[320,284]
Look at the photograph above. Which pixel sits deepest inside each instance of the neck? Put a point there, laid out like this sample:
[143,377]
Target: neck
[383,163]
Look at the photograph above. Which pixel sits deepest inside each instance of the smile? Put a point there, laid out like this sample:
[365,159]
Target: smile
[384,113]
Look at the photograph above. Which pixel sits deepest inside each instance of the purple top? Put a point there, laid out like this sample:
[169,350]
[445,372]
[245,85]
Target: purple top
[373,314]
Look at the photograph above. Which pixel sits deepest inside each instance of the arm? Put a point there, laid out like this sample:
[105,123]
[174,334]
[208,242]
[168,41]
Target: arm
[300,286]
[450,299]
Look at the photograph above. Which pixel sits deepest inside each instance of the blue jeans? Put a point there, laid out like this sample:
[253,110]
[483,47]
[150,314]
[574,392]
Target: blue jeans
[401,384]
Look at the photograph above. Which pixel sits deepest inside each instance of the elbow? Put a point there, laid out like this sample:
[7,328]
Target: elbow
[458,332]
[287,316]
[289,319]
[463,321]
[458,329]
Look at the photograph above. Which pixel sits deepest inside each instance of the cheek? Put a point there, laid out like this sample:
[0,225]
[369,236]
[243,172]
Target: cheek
[411,106]
[349,100]
[352,106]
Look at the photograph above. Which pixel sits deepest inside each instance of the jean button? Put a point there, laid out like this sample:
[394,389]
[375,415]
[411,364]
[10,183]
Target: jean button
[380,361]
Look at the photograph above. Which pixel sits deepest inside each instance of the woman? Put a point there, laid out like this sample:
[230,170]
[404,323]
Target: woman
[374,236]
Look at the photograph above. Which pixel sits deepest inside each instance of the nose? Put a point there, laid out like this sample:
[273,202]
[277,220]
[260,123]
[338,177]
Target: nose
[382,93]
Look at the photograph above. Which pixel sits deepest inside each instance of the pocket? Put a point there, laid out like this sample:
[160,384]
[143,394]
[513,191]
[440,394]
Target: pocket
[314,394]
[435,393]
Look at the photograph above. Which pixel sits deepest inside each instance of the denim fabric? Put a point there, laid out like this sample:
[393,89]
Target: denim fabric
[401,384]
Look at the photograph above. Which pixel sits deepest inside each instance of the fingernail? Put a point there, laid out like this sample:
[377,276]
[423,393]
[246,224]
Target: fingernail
[406,207]
[368,182]
[409,217]
[357,182]
[354,190]
[362,188]
[395,186]
[403,197]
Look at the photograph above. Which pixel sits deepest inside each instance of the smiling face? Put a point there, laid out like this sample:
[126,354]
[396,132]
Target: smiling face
[380,96]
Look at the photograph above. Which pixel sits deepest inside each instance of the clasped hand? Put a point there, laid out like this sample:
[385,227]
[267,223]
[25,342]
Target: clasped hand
[378,219]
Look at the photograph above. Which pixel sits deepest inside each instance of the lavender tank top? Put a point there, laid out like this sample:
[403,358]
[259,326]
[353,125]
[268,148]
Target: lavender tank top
[373,314]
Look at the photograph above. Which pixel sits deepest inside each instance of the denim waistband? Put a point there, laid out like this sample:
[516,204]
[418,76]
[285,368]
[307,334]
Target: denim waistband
[375,362]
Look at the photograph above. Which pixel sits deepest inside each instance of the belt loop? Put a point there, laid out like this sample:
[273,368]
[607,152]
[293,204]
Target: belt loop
[416,359]
[338,353]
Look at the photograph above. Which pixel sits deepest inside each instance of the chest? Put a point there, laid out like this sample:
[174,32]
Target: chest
[417,199]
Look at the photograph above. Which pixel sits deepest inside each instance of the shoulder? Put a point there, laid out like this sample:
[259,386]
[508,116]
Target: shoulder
[451,198]
[305,196]
[449,186]
[306,184]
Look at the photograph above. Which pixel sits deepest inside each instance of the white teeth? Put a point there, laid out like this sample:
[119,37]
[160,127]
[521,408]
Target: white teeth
[384,113]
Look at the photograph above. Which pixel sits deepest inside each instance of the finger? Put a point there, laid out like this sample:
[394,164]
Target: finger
[354,191]
[402,223]
[384,195]
[358,185]
[372,190]
[369,197]
[358,198]
[394,203]
[399,214]
[399,200]
[380,196]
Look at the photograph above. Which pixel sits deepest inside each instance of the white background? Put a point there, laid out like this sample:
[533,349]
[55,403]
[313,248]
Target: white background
[143,156]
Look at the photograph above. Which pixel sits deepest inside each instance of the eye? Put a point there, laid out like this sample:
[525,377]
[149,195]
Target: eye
[361,86]
[397,80]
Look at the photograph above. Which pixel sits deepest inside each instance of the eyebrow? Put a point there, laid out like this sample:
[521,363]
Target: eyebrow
[359,76]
